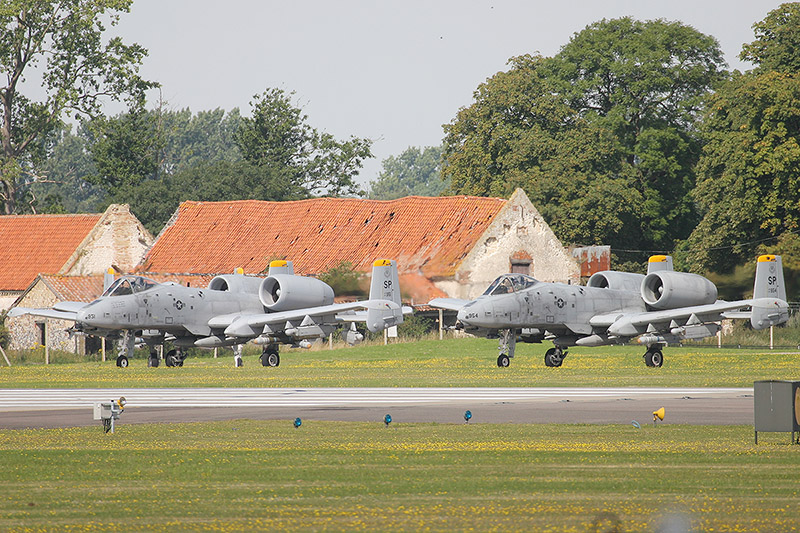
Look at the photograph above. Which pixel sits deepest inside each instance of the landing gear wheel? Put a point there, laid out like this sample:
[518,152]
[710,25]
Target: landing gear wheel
[654,358]
[152,360]
[270,359]
[237,361]
[170,359]
[122,361]
[503,361]
[554,357]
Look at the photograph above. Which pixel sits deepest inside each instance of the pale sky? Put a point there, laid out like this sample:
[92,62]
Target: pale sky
[391,71]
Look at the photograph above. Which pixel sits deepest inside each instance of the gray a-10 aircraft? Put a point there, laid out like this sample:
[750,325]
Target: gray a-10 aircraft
[280,309]
[660,308]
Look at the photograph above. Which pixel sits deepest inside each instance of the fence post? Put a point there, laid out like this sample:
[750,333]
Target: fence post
[2,351]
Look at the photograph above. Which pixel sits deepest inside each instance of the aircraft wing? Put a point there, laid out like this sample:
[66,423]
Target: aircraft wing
[47,312]
[361,316]
[627,324]
[451,304]
[248,325]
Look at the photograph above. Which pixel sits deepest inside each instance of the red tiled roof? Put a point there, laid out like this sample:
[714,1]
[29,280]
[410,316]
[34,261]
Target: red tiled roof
[30,244]
[88,288]
[430,236]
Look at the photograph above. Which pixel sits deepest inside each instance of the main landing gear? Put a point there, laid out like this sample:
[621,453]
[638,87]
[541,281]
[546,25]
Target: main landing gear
[152,359]
[270,355]
[555,356]
[237,355]
[653,356]
[507,345]
[174,358]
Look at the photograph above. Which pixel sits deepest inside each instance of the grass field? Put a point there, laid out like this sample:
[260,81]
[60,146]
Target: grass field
[266,475]
[430,363]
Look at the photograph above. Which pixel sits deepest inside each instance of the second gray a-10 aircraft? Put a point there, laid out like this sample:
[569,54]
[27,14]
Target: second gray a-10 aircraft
[660,308]
[282,308]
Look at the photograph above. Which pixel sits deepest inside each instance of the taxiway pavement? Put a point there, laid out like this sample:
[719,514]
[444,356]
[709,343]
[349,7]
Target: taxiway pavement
[55,408]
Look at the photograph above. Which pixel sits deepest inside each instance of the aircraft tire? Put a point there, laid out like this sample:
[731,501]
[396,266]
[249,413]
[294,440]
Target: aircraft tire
[552,359]
[152,361]
[656,358]
[238,362]
[270,359]
[503,361]
[170,359]
[122,361]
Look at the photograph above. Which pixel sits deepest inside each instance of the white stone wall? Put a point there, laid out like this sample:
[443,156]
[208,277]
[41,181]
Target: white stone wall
[119,239]
[517,227]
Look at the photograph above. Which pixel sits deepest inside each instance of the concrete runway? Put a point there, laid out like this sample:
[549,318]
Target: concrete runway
[56,408]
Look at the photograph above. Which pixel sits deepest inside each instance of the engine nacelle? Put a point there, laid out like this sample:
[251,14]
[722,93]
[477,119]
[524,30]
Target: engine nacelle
[670,290]
[621,281]
[236,283]
[284,292]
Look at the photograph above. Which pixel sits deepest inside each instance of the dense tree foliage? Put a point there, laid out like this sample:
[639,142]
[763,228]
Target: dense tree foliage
[749,176]
[153,160]
[62,42]
[601,136]
[415,172]
[278,138]
[777,44]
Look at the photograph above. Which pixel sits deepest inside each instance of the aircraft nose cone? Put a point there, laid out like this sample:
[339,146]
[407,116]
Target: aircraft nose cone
[86,316]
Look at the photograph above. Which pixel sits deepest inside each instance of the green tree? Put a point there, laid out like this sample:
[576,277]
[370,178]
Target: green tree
[191,139]
[777,44]
[609,121]
[278,137]
[343,279]
[63,186]
[749,176]
[61,41]
[748,185]
[415,172]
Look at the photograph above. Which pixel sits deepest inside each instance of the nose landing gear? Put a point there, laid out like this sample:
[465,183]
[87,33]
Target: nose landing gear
[507,346]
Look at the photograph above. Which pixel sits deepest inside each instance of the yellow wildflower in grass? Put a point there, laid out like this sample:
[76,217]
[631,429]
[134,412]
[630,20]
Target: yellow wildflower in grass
[240,475]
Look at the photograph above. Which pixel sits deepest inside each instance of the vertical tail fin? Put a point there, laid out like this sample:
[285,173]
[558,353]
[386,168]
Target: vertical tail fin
[385,285]
[769,306]
[281,267]
[769,278]
[659,263]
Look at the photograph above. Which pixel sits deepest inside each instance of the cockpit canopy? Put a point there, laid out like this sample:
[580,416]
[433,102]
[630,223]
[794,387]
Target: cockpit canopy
[129,285]
[508,283]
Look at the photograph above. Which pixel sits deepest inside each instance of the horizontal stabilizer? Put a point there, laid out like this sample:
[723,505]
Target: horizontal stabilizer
[769,312]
